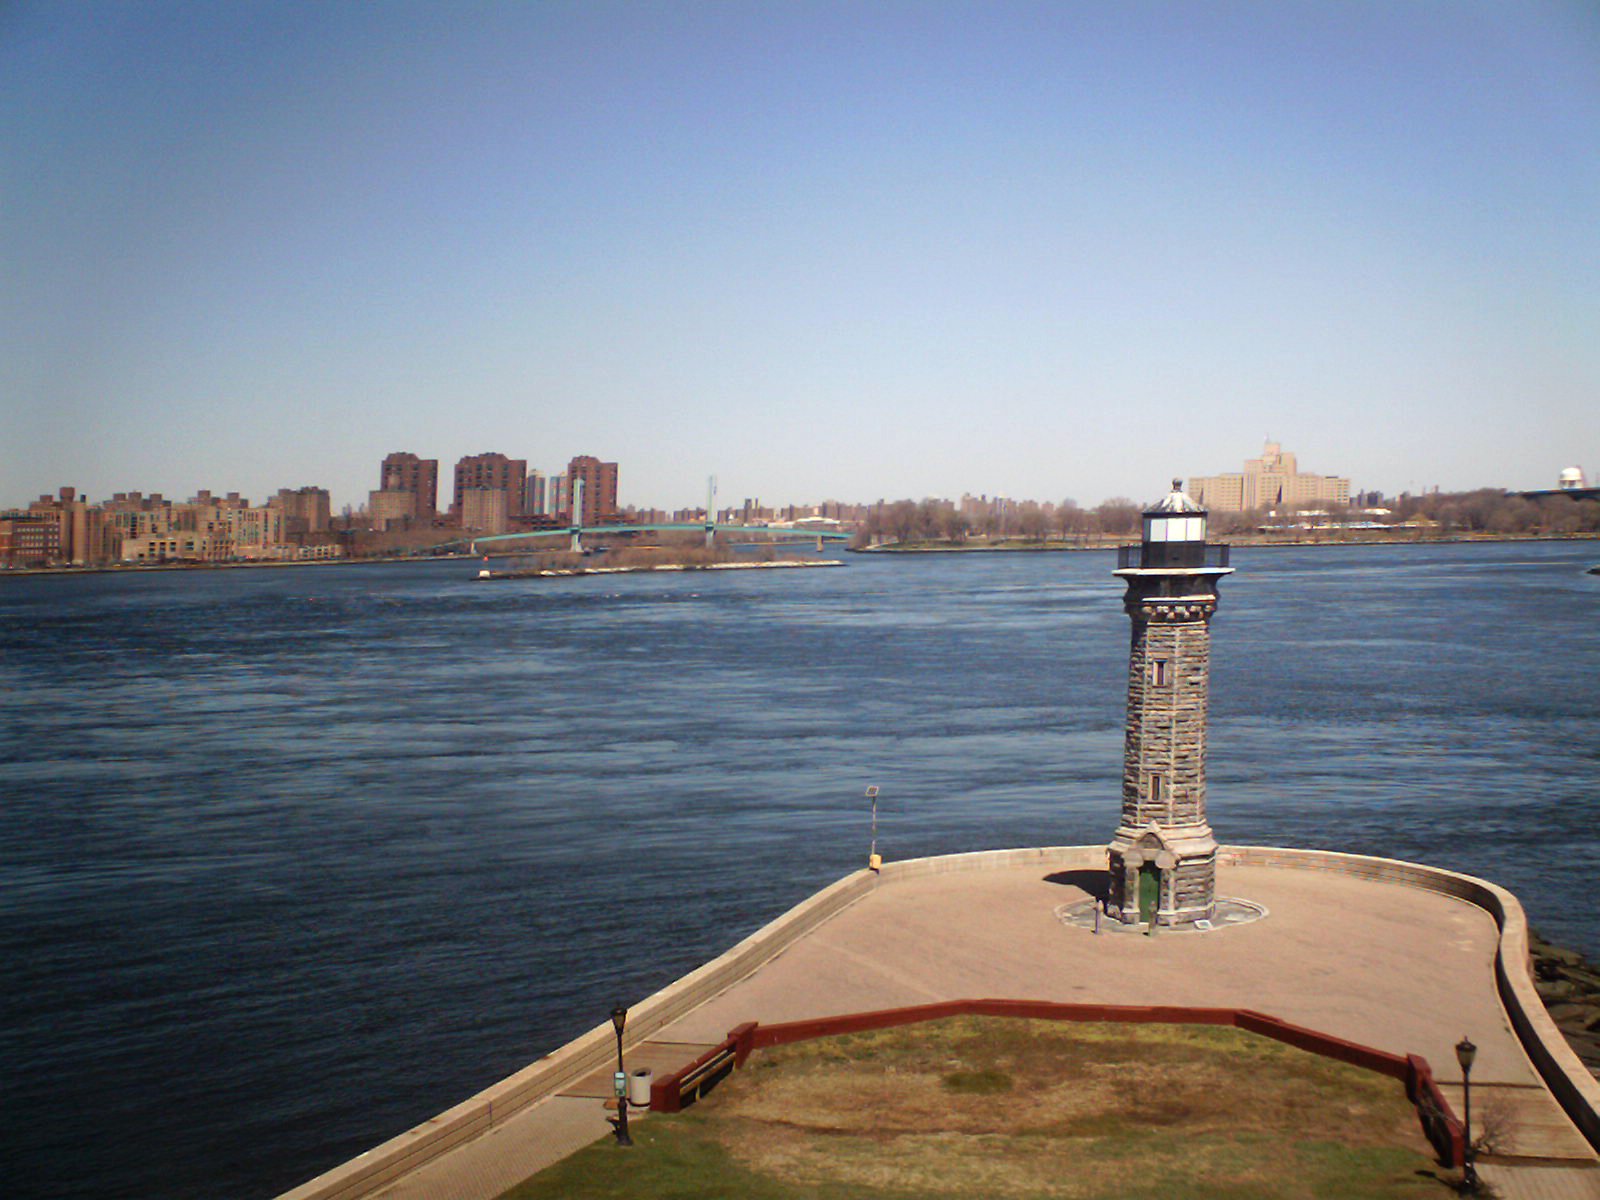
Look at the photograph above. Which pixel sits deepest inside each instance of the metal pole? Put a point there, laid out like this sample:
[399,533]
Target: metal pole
[872,854]
[622,1101]
[1469,1169]
[577,515]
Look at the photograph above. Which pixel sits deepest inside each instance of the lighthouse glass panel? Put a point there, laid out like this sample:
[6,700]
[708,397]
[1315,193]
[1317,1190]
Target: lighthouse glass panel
[1175,529]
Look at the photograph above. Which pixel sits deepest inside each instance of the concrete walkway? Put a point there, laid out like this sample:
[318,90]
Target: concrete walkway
[1404,970]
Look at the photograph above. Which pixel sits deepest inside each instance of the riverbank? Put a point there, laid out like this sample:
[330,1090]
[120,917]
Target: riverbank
[646,568]
[1345,539]
[970,546]
[207,567]
[1569,985]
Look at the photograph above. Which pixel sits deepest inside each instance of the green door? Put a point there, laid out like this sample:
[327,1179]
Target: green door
[1149,890]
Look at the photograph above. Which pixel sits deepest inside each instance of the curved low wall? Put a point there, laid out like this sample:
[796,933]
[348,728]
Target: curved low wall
[1577,1091]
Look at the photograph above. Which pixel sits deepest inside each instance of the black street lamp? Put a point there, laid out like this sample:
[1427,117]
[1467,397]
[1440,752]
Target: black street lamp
[1465,1053]
[619,1018]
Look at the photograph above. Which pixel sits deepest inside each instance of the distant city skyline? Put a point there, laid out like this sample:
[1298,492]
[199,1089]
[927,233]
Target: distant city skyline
[820,251]
[726,499]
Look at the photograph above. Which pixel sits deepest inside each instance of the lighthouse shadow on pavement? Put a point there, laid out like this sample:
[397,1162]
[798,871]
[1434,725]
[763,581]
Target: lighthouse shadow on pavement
[1095,884]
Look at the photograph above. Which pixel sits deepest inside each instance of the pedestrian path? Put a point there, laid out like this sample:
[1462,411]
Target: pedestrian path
[1398,968]
[537,1137]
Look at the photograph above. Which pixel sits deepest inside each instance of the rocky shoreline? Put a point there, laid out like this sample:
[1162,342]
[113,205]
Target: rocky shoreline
[1569,985]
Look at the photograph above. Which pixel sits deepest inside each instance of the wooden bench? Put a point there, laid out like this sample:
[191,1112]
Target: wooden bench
[675,1092]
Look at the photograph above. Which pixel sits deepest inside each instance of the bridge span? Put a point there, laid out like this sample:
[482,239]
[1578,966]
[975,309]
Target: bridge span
[577,532]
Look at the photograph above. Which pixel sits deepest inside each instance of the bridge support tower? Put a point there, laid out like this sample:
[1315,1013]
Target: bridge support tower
[577,516]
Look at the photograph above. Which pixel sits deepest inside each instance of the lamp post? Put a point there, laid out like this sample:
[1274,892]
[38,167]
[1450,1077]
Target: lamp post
[873,861]
[1465,1053]
[619,1018]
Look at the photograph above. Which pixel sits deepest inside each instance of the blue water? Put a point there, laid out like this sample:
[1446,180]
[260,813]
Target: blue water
[297,858]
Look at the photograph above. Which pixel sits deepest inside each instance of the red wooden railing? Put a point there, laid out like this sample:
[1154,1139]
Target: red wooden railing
[671,1092]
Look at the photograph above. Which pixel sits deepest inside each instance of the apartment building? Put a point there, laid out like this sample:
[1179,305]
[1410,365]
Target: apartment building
[1272,481]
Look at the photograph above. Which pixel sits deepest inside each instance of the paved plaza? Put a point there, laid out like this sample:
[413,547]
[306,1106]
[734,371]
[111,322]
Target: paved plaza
[1404,970]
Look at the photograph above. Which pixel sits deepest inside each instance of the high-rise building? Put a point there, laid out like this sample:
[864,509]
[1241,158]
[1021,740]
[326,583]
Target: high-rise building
[599,488]
[390,509]
[486,510]
[305,510]
[70,514]
[533,495]
[405,472]
[1271,481]
[490,472]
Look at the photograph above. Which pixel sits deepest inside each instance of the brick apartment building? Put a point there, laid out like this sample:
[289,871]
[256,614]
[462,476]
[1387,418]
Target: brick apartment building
[599,488]
[493,473]
[409,487]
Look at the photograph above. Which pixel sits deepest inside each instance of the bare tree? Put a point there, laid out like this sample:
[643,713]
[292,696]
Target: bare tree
[1117,516]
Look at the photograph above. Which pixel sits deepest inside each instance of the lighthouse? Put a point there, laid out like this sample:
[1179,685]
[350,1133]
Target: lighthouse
[1163,858]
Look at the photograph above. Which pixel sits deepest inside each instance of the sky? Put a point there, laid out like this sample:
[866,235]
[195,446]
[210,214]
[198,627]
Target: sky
[819,250]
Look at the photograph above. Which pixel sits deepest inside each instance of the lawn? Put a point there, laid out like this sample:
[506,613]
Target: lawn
[989,1107]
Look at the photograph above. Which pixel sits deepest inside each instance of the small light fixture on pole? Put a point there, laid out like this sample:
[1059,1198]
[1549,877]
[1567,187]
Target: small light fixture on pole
[873,860]
[619,1018]
[1466,1052]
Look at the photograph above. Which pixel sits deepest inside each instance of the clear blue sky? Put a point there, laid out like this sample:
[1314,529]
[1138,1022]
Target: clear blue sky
[821,250]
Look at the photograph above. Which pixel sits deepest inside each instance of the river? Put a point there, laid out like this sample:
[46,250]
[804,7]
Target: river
[297,858]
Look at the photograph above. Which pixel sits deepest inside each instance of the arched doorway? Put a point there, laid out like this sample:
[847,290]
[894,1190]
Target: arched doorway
[1149,890]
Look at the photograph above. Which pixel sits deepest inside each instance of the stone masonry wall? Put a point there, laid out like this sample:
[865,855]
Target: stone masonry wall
[1194,883]
[1166,723]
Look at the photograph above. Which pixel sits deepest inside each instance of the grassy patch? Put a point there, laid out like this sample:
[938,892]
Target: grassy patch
[977,1083]
[975,1107]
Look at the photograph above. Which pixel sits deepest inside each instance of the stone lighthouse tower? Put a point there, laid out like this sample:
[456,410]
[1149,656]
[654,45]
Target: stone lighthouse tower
[1163,857]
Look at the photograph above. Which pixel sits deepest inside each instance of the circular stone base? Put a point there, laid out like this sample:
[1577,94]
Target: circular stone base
[1230,911]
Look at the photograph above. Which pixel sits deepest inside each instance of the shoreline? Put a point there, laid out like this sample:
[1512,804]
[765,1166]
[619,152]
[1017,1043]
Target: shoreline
[1013,546]
[488,576]
[263,564]
[1004,547]
[1569,985]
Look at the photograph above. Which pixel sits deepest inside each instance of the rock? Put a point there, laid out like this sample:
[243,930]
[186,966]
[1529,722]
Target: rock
[1585,977]
[1554,993]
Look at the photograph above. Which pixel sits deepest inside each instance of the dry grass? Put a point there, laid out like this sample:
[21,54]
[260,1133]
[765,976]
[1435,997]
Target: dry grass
[905,1109]
[975,1107]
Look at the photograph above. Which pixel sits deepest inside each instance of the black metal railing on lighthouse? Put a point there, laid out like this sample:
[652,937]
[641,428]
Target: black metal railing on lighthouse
[1158,555]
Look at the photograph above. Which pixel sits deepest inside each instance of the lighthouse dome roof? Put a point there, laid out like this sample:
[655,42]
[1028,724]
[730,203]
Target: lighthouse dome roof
[1176,501]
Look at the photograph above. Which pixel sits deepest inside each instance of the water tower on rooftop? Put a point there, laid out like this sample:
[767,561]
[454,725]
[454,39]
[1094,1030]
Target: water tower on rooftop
[1163,857]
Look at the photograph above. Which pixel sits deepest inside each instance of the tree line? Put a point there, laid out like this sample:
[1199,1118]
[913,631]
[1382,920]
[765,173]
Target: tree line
[1029,520]
[1489,510]
[1482,511]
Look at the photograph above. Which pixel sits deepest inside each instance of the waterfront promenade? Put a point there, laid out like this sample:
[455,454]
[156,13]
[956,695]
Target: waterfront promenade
[1380,961]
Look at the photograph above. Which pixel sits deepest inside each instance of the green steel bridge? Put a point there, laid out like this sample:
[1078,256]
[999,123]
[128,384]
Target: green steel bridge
[577,532]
